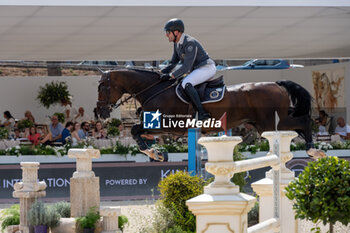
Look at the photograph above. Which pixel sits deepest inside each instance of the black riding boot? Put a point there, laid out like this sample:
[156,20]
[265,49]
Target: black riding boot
[196,102]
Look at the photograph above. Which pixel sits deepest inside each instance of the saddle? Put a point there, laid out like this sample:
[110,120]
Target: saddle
[209,92]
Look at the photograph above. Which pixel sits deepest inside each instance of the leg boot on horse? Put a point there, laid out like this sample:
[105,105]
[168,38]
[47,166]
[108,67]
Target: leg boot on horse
[136,132]
[196,102]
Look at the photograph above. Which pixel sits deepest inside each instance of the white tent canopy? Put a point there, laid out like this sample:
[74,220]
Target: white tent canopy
[133,30]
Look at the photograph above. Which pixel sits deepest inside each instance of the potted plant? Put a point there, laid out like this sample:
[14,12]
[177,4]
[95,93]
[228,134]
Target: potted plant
[52,93]
[87,222]
[42,217]
[36,217]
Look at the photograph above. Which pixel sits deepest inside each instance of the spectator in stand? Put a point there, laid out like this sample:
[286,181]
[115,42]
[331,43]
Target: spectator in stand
[121,130]
[342,129]
[17,134]
[28,116]
[34,136]
[321,121]
[75,135]
[55,133]
[10,122]
[81,116]
[66,133]
[69,111]
[83,132]
[99,132]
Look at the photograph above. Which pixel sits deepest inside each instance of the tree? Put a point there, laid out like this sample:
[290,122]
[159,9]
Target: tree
[322,192]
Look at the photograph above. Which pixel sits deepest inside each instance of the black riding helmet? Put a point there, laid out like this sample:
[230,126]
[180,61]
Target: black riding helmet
[174,25]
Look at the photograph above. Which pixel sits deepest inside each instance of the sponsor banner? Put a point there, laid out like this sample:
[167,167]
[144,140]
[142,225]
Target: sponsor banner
[118,181]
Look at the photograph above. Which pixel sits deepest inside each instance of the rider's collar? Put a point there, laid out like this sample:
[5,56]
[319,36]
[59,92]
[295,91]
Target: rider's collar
[181,39]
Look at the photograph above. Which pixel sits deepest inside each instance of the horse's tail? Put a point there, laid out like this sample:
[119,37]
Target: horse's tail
[299,96]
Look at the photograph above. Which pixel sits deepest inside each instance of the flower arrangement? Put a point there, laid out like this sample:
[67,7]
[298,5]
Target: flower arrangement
[113,131]
[173,147]
[22,124]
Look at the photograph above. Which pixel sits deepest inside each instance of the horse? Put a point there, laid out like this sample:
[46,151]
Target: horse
[253,103]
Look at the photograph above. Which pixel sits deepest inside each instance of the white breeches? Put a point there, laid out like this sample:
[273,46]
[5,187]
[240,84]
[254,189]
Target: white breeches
[200,75]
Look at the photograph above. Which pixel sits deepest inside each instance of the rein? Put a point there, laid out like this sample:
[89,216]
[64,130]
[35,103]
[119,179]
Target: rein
[152,96]
[115,106]
[122,102]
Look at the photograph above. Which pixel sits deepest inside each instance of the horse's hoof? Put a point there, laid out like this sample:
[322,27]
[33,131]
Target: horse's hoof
[154,154]
[316,154]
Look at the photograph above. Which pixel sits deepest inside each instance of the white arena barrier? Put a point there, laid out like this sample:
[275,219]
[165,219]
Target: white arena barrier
[222,208]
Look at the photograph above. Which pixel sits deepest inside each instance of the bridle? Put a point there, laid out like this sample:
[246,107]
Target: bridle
[106,79]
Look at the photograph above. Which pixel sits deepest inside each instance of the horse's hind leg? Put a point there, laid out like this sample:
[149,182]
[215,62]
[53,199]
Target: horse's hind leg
[302,125]
[136,132]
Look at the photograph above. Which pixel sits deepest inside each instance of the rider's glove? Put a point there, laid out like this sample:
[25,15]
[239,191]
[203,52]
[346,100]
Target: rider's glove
[165,77]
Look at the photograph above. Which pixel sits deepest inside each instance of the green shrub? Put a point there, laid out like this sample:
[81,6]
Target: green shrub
[63,208]
[52,93]
[175,190]
[9,217]
[321,192]
[122,221]
[90,219]
[4,133]
[36,214]
[52,217]
[238,178]
[253,215]
[164,218]
[175,229]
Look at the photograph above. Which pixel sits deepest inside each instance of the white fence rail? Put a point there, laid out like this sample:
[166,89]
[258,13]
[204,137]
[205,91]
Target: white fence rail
[222,208]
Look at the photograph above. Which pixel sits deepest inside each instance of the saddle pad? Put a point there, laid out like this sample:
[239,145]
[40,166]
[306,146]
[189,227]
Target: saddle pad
[208,95]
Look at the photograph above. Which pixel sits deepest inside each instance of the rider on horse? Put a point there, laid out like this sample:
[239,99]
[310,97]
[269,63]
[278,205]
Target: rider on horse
[195,61]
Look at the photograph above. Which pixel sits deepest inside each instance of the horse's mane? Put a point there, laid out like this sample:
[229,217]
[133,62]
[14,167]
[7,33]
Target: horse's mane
[143,70]
[134,69]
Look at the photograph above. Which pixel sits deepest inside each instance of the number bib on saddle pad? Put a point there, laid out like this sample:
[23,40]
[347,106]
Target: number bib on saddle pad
[209,92]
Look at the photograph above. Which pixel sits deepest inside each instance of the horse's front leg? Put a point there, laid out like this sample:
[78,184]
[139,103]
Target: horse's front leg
[136,132]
